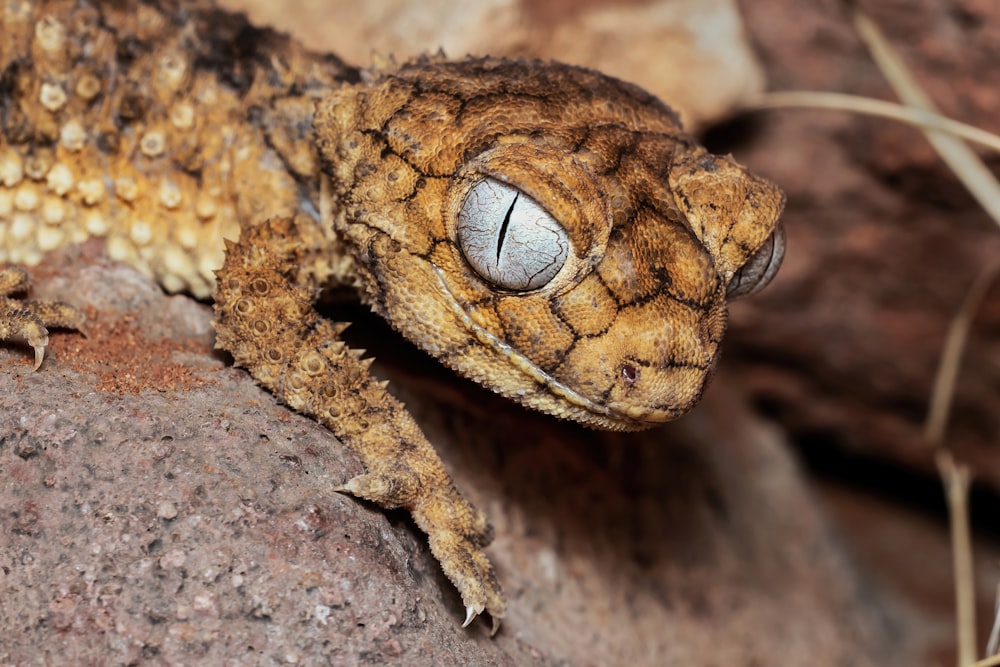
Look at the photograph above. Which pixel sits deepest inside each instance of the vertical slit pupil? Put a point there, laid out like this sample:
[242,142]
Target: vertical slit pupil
[504,225]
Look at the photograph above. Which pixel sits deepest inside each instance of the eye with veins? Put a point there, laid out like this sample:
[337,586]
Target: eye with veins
[508,238]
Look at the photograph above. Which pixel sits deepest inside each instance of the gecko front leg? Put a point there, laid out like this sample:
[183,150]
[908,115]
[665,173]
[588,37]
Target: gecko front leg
[265,318]
[31,320]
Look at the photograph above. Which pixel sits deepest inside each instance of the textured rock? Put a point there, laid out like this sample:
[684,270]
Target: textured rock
[157,507]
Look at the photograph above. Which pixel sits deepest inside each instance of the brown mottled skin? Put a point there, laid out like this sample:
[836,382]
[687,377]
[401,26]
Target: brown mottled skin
[167,130]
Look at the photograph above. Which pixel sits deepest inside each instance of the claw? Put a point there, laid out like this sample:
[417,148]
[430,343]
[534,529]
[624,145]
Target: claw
[470,615]
[39,355]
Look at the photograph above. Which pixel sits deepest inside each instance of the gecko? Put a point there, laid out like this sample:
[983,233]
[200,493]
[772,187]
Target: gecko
[545,230]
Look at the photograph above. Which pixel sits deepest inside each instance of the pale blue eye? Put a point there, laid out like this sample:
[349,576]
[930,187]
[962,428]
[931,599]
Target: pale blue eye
[508,238]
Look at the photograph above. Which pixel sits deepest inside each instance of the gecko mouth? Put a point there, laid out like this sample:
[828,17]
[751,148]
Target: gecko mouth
[627,417]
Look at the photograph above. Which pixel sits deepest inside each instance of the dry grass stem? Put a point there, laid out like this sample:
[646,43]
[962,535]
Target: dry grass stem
[957,155]
[870,107]
[994,641]
[956,481]
[951,355]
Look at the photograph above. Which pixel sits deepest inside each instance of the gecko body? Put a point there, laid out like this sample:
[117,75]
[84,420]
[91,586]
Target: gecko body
[545,230]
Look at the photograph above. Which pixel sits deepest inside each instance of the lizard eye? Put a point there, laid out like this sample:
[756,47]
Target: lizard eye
[754,276]
[508,238]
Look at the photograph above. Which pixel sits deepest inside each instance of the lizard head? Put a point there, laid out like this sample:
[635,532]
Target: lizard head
[547,231]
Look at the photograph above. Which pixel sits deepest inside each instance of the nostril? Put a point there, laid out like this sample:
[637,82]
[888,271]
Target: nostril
[630,373]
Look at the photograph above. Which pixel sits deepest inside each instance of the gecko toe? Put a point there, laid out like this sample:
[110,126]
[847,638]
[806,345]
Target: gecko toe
[387,491]
[471,572]
[39,355]
[30,321]
[470,615]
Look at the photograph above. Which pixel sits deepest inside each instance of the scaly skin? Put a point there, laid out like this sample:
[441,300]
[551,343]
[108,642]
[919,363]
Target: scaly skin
[166,131]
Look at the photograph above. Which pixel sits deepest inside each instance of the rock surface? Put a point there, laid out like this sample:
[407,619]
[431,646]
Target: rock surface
[159,508]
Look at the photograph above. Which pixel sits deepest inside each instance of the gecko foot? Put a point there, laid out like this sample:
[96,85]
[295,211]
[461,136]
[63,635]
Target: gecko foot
[466,565]
[456,532]
[30,320]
